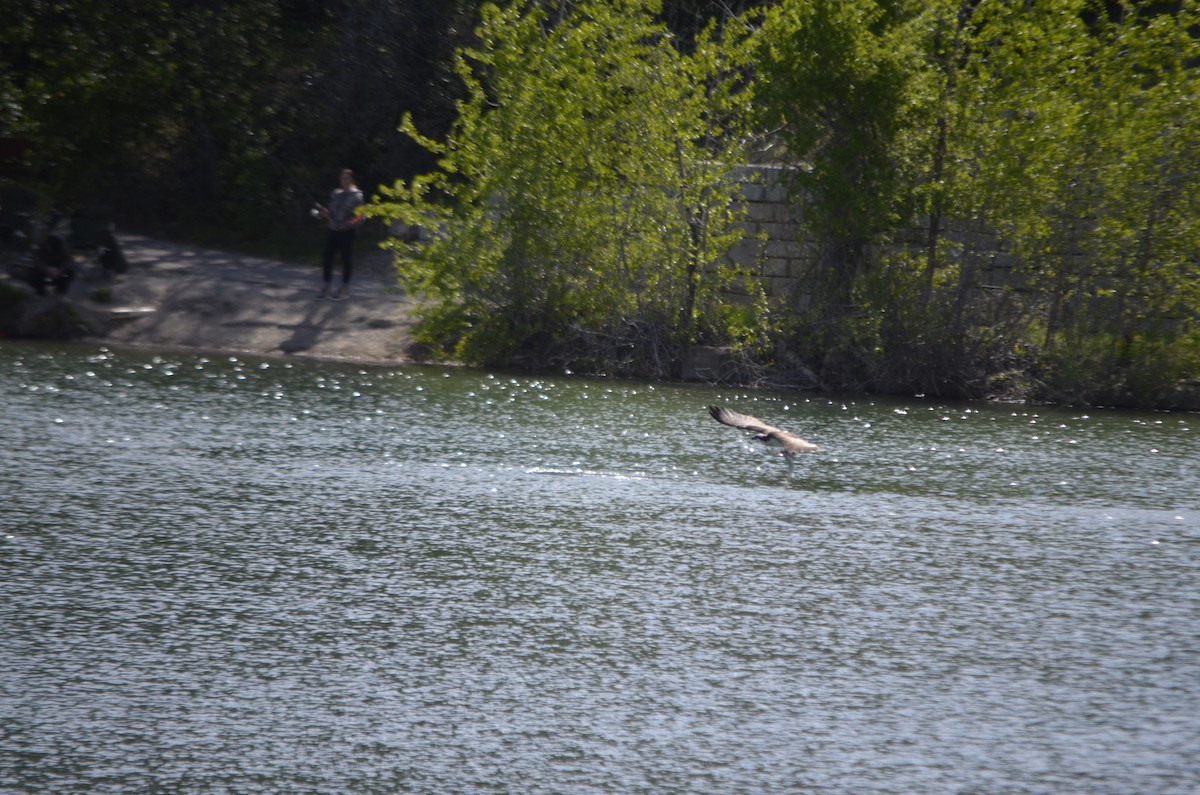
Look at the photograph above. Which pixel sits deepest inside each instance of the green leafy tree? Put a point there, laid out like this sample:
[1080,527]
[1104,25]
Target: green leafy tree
[873,105]
[1145,232]
[583,206]
[932,140]
[138,98]
[833,84]
[942,324]
[1096,158]
[221,116]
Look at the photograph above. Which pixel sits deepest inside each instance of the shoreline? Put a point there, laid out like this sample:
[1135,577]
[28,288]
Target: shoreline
[186,298]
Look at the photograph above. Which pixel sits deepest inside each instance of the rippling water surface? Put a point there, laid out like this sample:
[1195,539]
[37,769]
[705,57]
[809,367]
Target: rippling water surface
[230,575]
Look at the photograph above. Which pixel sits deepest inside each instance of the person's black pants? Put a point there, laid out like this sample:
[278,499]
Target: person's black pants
[342,242]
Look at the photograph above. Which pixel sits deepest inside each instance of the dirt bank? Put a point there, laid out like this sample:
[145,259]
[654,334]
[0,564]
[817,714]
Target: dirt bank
[177,296]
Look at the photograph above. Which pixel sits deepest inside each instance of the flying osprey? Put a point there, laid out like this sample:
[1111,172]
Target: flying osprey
[767,434]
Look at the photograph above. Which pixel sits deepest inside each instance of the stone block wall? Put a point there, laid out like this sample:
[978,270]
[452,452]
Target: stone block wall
[771,248]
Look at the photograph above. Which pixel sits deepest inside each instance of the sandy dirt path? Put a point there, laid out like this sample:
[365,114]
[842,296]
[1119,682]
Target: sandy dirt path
[179,296]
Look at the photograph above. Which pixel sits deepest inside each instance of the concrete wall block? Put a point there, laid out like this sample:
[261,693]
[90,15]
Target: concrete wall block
[777,268]
[760,211]
[796,268]
[776,193]
[787,249]
[772,246]
[753,193]
[746,251]
[773,212]
[751,228]
[782,231]
[781,288]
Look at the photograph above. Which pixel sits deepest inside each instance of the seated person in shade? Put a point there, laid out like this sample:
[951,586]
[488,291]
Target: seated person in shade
[92,228]
[53,266]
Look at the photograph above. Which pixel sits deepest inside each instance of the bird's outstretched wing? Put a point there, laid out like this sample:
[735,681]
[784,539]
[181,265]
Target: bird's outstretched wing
[765,433]
[727,416]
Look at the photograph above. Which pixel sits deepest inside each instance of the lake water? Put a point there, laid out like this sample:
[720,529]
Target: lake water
[228,575]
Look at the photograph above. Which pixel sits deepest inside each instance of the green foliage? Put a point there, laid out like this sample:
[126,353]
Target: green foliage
[1097,158]
[932,137]
[219,119]
[833,81]
[104,86]
[583,204]
[1144,370]
[996,194]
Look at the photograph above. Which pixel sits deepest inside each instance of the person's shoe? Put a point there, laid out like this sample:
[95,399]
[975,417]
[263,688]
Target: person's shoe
[341,293]
[321,296]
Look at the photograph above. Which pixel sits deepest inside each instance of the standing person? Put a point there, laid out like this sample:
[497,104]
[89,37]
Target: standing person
[343,217]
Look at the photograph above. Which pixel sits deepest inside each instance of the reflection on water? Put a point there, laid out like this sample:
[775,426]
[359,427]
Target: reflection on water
[231,575]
